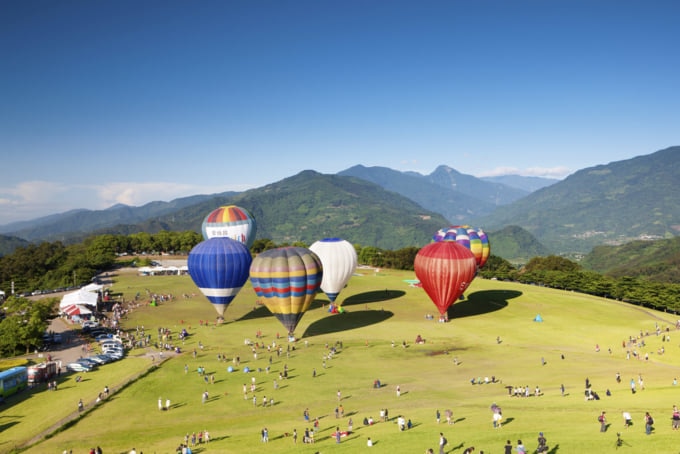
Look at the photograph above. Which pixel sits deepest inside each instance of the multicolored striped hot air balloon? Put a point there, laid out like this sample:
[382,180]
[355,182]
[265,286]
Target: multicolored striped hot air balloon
[339,260]
[230,222]
[288,278]
[472,238]
[219,267]
[445,270]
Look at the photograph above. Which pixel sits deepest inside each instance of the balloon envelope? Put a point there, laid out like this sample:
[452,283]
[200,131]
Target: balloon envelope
[474,239]
[219,267]
[339,260]
[231,222]
[288,279]
[445,269]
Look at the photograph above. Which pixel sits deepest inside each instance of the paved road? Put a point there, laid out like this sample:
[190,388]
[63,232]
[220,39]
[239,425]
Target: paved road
[72,344]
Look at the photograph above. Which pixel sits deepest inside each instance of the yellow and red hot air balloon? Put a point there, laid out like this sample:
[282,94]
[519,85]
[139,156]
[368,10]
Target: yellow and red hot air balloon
[445,270]
[288,278]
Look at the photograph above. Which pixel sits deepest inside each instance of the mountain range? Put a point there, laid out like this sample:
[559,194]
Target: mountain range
[377,206]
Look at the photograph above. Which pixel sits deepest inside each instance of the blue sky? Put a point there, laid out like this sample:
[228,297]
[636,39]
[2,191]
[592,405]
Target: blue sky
[106,102]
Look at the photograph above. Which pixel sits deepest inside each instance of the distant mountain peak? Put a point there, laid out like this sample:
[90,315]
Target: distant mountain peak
[117,206]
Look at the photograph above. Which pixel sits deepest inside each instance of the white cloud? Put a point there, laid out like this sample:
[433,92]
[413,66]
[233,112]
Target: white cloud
[545,172]
[33,199]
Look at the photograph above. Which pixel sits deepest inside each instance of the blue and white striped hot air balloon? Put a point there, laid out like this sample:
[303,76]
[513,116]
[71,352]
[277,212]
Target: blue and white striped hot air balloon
[220,267]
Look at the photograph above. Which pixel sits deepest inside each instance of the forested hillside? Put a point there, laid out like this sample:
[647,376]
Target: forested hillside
[657,261]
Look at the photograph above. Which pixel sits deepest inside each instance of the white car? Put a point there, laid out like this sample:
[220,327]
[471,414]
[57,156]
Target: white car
[79,367]
[114,351]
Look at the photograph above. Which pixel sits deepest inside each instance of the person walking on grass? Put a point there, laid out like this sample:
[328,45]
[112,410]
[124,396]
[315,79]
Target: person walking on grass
[442,442]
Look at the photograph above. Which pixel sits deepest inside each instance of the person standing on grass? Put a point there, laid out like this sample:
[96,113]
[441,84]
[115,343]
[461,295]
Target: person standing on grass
[675,418]
[649,423]
[508,447]
[603,422]
[520,448]
[442,442]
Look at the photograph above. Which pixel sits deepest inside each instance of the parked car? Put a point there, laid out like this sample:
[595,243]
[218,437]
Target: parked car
[98,359]
[79,367]
[108,358]
[90,324]
[88,362]
[115,355]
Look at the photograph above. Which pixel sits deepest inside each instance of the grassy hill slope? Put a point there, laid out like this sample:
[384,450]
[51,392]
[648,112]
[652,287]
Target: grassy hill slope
[381,308]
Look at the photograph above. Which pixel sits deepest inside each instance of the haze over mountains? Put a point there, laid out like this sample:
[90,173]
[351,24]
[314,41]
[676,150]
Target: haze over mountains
[377,206]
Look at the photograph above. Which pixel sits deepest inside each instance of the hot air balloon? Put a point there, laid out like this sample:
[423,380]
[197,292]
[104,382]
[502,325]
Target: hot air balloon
[219,267]
[288,278]
[230,222]
[445,269]
[339,260]
[474,239]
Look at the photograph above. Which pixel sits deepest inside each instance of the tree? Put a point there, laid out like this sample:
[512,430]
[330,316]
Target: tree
[24,323]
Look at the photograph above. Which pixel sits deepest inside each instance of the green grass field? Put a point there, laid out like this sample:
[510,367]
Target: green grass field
[380,308]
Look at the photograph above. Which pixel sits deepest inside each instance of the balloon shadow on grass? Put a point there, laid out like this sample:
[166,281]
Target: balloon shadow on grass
[481,302]
[259,311]
[349,320]
[373,297]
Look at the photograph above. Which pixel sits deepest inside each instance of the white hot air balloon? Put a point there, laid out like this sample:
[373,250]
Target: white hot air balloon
[339,260]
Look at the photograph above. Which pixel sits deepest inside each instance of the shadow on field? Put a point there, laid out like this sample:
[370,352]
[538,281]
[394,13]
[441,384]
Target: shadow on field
[373,297]
[345,321]
[482,302]
[8,425]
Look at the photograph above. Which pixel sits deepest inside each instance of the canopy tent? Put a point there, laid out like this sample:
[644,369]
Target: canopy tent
[92,288]
[79,297]
[538,318]
[163,270]
[75,309]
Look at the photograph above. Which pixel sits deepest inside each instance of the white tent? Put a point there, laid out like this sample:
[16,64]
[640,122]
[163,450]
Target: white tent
[92,288]
[79,297]
[162,270]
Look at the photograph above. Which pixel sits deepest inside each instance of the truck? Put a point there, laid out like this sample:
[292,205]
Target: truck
[42,372]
